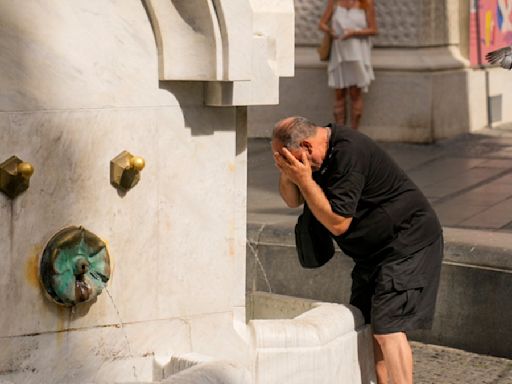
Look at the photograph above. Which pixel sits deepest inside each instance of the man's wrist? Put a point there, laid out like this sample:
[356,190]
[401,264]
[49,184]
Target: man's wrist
[306,186]
[285,179]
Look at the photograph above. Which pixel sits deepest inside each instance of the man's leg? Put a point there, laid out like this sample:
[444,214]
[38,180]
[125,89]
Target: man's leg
[397,356]
[404,299]
[380,366]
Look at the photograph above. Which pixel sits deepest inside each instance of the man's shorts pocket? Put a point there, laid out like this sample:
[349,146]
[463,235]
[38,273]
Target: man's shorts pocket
[399,296]
[408,291]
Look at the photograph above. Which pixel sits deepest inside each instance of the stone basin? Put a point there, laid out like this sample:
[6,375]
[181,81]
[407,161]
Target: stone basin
[291,340]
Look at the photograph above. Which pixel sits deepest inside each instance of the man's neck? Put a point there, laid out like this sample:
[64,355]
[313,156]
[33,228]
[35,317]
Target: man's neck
[324,137]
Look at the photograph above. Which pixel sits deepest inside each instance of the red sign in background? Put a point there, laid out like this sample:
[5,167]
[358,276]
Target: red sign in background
[490,28]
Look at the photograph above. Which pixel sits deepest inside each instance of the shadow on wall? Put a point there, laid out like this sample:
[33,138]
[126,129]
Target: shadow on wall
[203,120]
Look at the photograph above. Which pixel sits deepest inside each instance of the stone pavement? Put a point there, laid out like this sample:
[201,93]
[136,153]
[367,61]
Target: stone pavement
[468,180]
[441,365]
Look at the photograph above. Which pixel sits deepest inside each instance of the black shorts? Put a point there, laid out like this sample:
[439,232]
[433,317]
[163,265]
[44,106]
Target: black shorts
[399,295]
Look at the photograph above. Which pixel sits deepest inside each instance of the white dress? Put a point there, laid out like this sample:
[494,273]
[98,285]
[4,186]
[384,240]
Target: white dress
[350,60]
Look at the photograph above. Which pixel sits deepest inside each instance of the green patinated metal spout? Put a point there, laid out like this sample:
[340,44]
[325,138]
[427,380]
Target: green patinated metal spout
[75,266]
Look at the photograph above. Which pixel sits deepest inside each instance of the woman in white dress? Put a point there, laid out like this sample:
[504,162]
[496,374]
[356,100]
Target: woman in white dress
[350,23]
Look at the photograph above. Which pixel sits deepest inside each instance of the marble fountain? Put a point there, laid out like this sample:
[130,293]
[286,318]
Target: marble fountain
[123,166]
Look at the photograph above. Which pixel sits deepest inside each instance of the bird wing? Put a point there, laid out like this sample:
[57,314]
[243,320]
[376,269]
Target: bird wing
[497,56]
[506,62]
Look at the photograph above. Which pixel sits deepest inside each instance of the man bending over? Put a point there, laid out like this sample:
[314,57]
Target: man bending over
[379,218]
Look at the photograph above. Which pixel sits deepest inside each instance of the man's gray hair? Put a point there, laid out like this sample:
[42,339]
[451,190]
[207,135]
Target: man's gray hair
[293,130]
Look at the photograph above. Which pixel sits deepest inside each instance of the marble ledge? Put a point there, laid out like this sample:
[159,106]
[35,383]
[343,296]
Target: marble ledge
[316,327]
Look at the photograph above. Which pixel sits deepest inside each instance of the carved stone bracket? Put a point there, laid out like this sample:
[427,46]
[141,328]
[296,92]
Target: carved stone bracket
[240,48]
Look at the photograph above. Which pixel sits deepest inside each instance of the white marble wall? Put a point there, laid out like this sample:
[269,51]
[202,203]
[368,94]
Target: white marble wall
[80,82]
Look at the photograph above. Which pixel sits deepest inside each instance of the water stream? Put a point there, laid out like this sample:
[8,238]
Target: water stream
[68,376]
[125,334]
[254,247]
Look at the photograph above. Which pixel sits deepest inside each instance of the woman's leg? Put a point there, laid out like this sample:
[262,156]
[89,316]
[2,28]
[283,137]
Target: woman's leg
[339,106]
[356,99]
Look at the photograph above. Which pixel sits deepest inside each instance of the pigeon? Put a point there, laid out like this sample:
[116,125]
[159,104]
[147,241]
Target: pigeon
[502,56]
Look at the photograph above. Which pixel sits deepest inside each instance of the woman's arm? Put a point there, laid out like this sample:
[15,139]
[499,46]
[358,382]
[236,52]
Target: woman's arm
[326,18]
[370,17]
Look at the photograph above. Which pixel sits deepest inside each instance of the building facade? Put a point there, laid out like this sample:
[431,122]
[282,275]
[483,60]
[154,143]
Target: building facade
[425,89]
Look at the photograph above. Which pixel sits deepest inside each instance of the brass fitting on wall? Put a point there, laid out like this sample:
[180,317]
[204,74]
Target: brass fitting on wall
[125,170]
[15,176]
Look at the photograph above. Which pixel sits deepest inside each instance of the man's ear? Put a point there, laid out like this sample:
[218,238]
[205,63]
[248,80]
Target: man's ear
[307,146]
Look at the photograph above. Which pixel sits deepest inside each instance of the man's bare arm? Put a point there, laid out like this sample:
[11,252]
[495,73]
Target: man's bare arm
[300,175]
[321,208]
[290,192]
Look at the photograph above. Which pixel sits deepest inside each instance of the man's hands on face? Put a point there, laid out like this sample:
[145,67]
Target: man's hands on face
[298,172]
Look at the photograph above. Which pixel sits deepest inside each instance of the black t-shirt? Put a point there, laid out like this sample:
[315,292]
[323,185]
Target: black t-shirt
[390,216]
